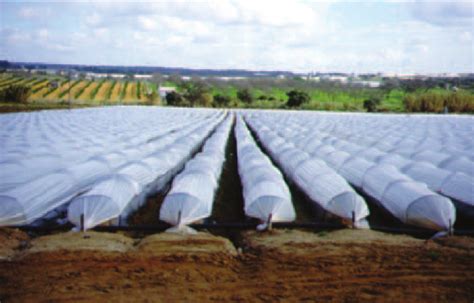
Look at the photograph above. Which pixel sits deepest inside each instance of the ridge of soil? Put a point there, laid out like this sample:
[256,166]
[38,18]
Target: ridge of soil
[276,266]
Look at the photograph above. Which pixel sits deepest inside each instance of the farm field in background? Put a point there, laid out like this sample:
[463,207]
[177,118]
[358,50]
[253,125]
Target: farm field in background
[264,93]
[55,90]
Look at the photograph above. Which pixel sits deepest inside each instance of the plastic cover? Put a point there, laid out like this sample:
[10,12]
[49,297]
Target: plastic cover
[265,192]
[192,192]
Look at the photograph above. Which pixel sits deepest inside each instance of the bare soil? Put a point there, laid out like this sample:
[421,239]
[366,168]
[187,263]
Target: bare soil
[276,266]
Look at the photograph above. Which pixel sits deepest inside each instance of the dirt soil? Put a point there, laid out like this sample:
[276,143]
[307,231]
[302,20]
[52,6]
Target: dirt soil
[277,266]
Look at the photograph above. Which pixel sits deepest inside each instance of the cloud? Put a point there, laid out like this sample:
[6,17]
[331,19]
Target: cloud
[33,12]
[444,13]
[285,35]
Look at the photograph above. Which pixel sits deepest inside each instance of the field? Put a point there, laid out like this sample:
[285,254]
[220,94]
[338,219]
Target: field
[265,93]
[281,205]
[83,92]
[275,267]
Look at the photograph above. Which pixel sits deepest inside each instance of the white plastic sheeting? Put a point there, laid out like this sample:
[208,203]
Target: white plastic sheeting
[148,178]
[355,156]
[192,193]
[266,195]
[47,141]
[317,180]
[52,156]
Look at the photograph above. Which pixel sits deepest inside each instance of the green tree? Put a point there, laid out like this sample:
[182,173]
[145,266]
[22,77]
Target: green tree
[221,100]
[175,99]
[296,98]
[245,96]
[196,92]
[16,94]
[371,104]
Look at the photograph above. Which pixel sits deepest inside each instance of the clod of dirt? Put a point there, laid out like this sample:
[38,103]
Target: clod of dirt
[175,243]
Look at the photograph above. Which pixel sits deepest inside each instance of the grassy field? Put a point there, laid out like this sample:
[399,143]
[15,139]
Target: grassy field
[81,91]
[266,95]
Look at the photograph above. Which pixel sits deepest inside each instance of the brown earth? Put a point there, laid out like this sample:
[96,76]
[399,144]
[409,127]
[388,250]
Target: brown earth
[277,266]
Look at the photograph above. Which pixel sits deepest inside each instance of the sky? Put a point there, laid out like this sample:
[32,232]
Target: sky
[293,35]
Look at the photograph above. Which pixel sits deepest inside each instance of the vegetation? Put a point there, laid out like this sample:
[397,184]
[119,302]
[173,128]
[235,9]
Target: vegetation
[245,96]
[139,90]
[175,99]
[371,104]
[15,94]
[124,90]
[39,86]
[221,100]
[96,90]
[439,101]
[196,93]
[109,91]
[296,98]
[64,92]
[82,89]
[395,95]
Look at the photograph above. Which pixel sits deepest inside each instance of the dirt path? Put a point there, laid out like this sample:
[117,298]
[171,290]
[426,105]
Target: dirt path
[281,266]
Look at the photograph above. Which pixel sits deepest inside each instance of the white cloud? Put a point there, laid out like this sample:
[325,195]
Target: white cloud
[444,13]
[30,12]
[287,35]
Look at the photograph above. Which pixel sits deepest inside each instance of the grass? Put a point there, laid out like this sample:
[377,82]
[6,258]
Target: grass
[66,88]
[85,96]
[123,92]
[272,97]
[39,85]
[20,107]
[138,89]
[103,91]
[79,92]
[96,89]
[115,95]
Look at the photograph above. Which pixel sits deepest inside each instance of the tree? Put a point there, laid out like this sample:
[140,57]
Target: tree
[245,96]
[175,99]
[206,100]
[16,94]
[221,100]
[196,92]
[296,98]
[371,104]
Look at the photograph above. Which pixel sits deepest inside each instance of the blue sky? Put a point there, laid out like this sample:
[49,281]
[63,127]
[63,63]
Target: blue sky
[366,36]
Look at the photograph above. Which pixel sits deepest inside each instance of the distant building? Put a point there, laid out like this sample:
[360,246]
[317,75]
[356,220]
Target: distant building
[368,83]
[164,90]
[140,76]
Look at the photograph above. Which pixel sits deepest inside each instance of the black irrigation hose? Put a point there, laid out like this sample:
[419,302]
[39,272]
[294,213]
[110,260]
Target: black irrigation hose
[246,226]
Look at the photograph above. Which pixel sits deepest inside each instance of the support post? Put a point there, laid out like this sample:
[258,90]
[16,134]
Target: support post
[353,219]
[269,222]
[179,218]
[451,229]
[82,223]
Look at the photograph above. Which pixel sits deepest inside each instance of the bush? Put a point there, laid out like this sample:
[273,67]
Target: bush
[436,102]
[296,98]
[175,99]
[196,92]
[371,104]
[16,94]
[221,100]
[245,96]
